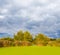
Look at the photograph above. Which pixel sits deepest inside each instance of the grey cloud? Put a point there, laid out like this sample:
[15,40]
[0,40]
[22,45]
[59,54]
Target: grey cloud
[38,16]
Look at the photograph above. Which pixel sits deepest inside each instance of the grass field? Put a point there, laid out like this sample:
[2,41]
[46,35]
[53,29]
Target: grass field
[32,50]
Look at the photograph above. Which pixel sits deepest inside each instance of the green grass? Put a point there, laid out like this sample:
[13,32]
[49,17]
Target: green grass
[32,50]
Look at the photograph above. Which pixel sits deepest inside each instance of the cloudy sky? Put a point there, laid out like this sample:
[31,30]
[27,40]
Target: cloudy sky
[36,16]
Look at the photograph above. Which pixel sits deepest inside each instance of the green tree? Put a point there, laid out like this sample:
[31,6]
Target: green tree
[28,36]
[7,38]
[19,36]
[23,38]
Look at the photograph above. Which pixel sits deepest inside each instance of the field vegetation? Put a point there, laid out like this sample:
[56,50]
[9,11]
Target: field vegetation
[27,39]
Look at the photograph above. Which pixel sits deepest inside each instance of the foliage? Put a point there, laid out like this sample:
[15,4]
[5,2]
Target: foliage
[19,36]
[41,39]
[26,39]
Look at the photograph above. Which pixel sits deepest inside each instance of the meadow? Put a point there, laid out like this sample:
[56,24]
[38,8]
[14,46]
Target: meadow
[30,50]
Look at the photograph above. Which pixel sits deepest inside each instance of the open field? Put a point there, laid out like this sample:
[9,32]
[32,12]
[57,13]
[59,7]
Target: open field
[32,50]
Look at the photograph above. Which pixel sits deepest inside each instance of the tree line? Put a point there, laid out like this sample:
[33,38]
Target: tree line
[27,39]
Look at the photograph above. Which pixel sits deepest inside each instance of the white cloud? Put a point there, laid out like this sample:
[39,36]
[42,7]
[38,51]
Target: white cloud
[2,17]
[36,9]
[21,3]
[3,11]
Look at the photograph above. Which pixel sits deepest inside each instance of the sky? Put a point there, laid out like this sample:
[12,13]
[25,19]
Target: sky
[36,16]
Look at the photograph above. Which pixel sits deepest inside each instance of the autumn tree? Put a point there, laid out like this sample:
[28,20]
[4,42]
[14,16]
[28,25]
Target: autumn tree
[41,39]
[1,43]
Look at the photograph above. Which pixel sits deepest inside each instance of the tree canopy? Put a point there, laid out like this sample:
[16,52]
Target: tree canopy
[26,39]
